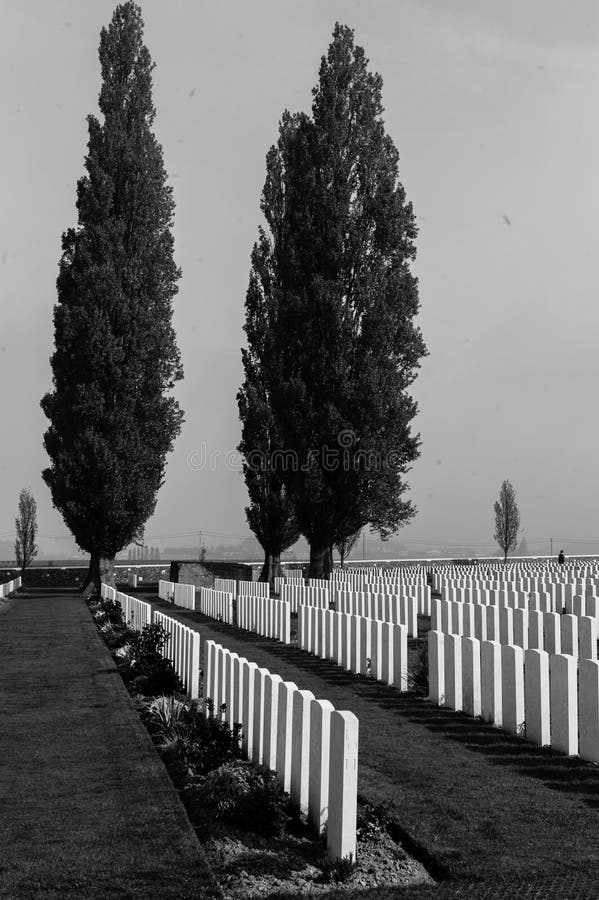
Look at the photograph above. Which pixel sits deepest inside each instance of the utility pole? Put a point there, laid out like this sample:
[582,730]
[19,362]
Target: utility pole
[364,544]
[199,545]
[551,539]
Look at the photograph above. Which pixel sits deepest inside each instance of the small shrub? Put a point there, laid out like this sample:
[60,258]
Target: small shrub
[190,743]
[163,712]
[149,672]
[243,794]
[372,821]
[338,870]
[113,611]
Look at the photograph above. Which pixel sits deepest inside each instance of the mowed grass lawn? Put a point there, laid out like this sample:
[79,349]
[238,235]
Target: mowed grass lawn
[87,808]
[489,812]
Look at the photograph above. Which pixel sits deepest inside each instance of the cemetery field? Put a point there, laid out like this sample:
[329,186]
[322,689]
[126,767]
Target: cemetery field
[484,811]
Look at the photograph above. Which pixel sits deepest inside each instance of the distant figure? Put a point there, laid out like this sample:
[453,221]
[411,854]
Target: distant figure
[561,558]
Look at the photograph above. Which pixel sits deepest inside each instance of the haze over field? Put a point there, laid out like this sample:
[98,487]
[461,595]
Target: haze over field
[493,110]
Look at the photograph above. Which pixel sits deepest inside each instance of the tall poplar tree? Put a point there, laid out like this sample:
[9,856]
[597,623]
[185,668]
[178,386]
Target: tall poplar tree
[26,548]
[271,514]
[112,421]
[341,349]
[507,518]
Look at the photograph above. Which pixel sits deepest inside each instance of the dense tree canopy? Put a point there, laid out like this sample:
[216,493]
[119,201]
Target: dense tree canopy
[112,421]
[270,515]
[340,349]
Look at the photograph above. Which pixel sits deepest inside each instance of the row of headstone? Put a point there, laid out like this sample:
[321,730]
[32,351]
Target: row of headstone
[183,650]
[183,595]
[253,588]
[400,610]
[485,592]
[421,592]
[226,584]
[575,635]
[215,604]
[526,576]
[266,616]
[182,646]
[294,594]
[551,699]
[136,613]
[547,600]
[9,587]
[166,590]
[558,598]
[403,571]
[579,585]
[312,747]
[360,645]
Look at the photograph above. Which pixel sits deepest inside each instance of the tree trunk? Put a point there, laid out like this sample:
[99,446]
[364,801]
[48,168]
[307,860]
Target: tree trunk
[505,556]
[271,569]
[101,569]
[321,559]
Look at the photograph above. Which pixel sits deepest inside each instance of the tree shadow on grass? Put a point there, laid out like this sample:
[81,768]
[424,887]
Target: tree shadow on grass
[559,772]
[568,774]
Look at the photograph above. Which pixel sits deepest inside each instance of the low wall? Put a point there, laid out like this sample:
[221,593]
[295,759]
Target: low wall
[72,576]
[146,574]
[202,574]
[36,576]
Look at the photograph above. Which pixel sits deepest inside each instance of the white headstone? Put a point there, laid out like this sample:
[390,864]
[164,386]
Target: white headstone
[436,667]
[343,786]
[490,682]
[471,676]
[536,697]
[320,741]
[552,632]
[453,671]
[271,716]
[284,732]
[569,634]
[247,715]
[300,749]
[512,688]
[588,709]
[587,638]
[564,703]
[257,749]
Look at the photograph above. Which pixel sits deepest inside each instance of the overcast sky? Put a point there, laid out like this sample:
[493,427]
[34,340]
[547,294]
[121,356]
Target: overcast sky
[493,108]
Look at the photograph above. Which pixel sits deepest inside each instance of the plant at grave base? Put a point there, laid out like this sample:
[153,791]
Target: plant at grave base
[243,794]
[113,611]
[418,673]
[372,821]
[190,743]
[149,672]
[337,870]
[163,712]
